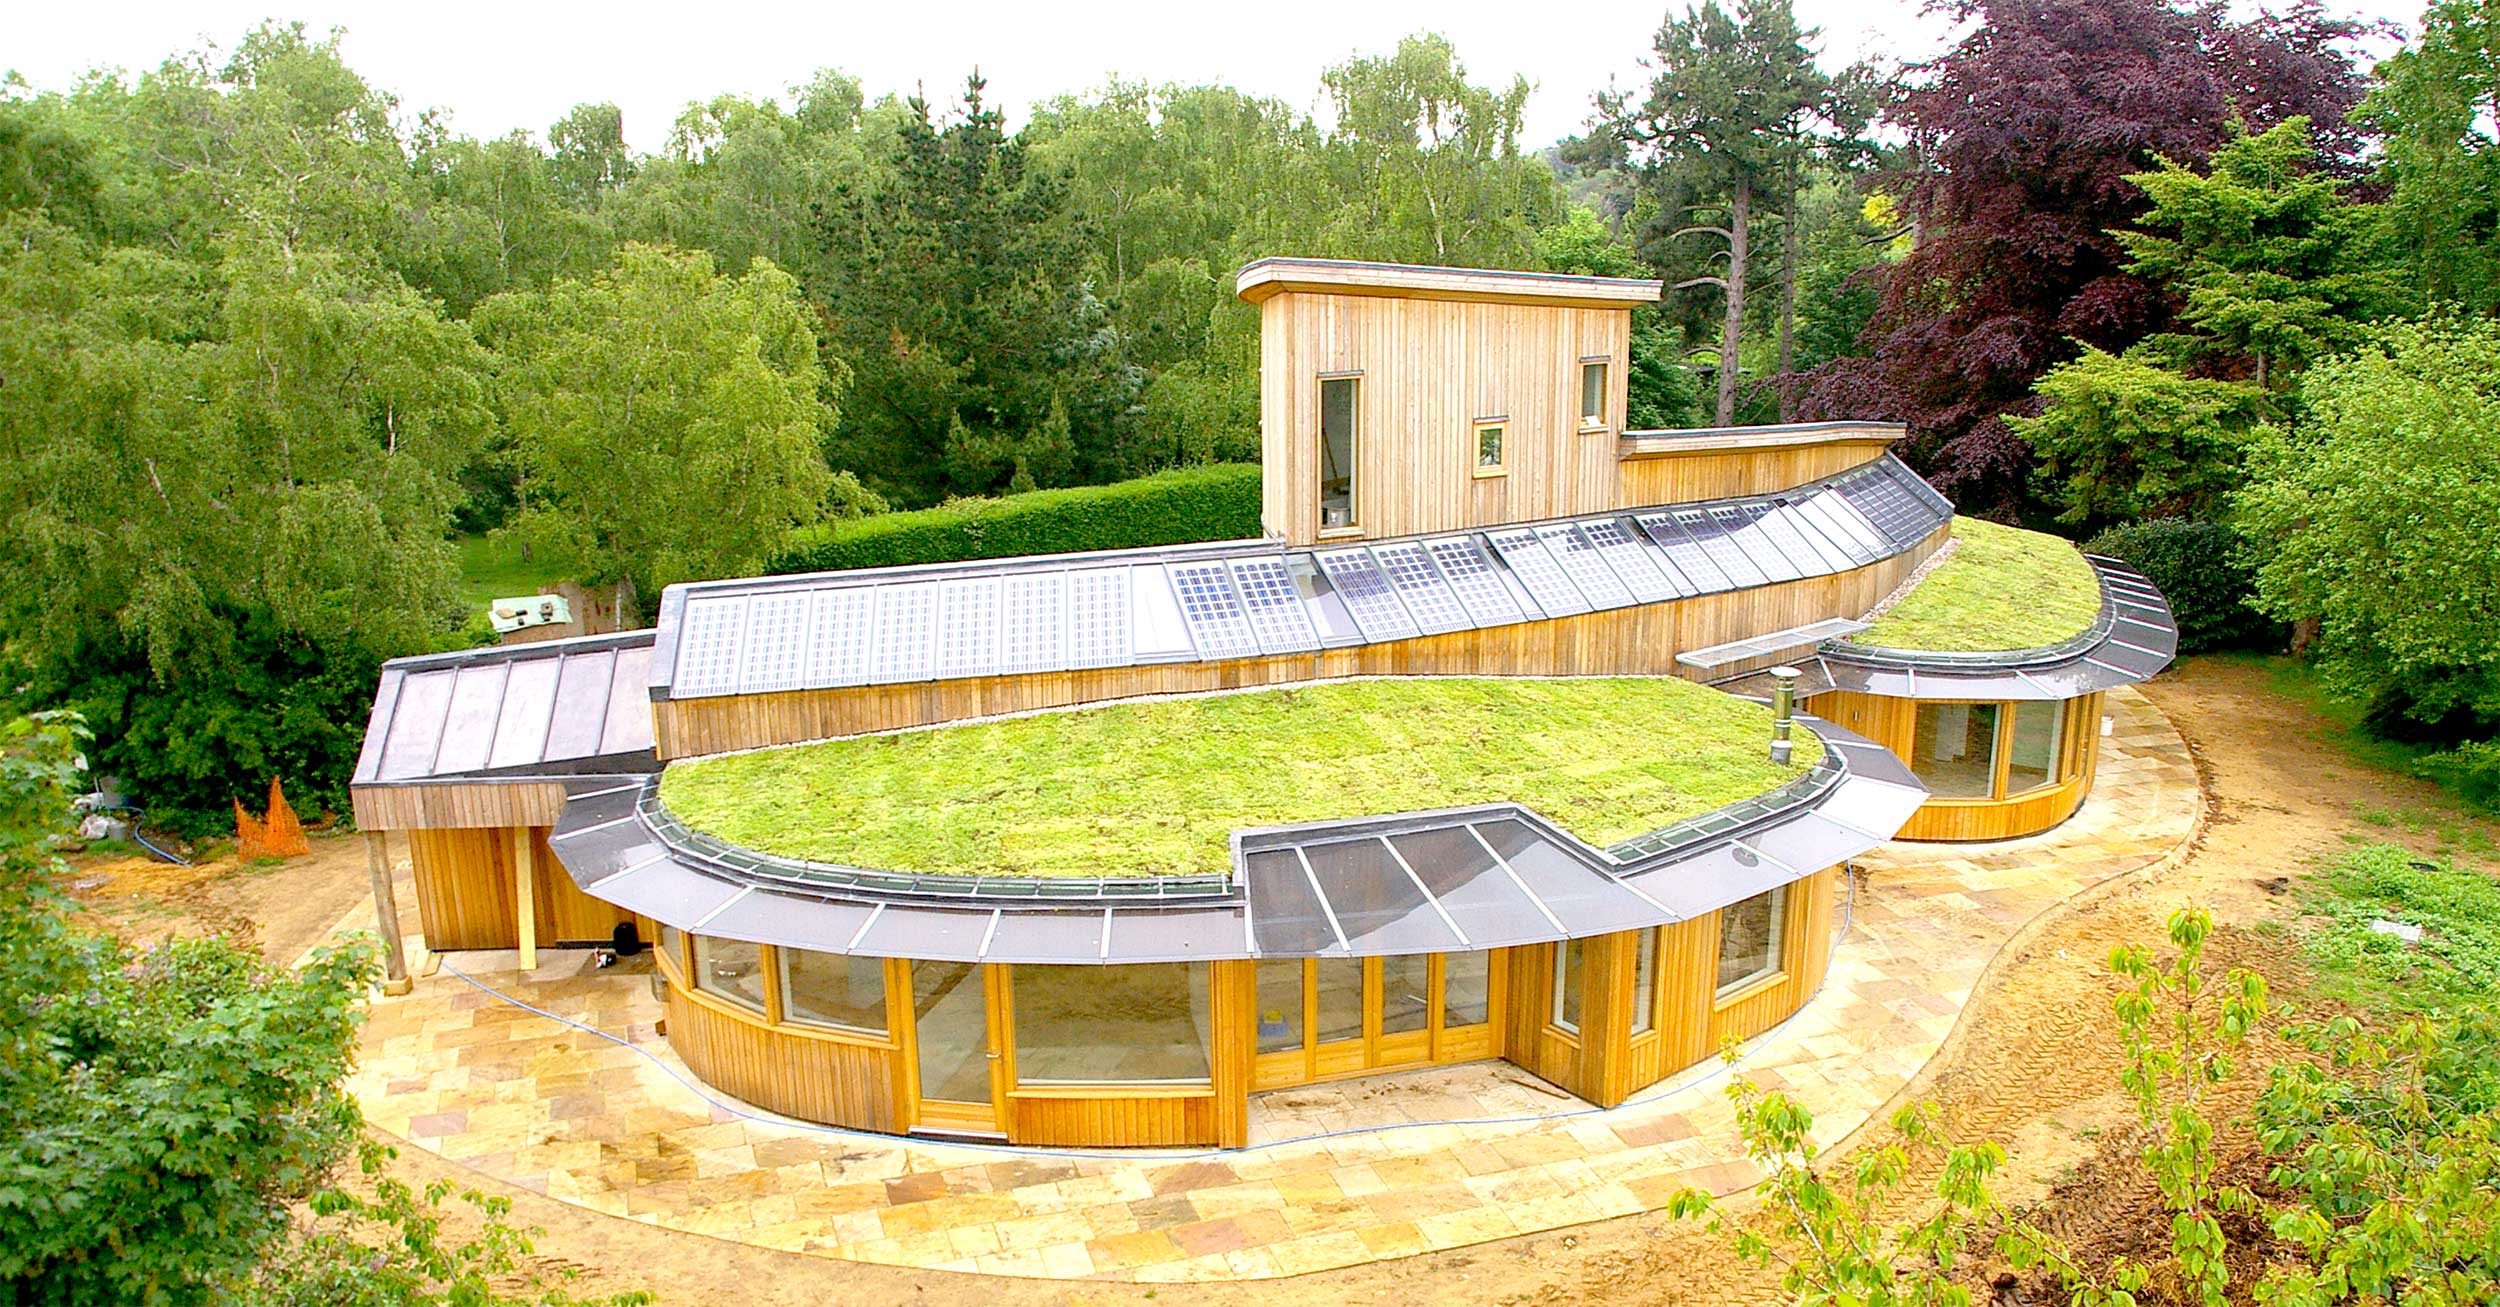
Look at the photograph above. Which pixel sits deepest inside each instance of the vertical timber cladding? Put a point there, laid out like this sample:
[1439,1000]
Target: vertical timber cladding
[1429,369]
[1893,723]
[1636,641]
[466,895]
[1694,469]
[1607,1061]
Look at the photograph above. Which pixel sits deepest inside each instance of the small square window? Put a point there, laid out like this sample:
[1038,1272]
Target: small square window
[1592,394]
[1492,453]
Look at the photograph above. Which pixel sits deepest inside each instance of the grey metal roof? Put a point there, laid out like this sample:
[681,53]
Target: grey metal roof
[1464,878]
[1248,598]
[557,707]
[2133,637]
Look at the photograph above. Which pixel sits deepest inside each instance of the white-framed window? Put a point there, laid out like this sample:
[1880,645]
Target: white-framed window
[1492,448]
[1339,409]
[1593,393]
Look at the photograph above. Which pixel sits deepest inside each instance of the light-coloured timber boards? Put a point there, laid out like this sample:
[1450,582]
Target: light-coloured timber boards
[1265,278]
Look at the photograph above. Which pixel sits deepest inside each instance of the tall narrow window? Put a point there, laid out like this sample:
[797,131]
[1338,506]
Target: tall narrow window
[1749,938]
[1280,1005]
[1466,989]
[1645,982]
[2031,755]
[1592,394]
[1567,986]
[1336,451]
[1490,458]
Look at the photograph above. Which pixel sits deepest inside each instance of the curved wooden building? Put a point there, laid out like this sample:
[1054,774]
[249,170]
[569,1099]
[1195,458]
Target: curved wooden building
[1450,493]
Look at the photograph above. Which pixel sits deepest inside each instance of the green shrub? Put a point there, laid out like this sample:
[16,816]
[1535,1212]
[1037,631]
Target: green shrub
[2199,569]
[1215,502]
[2469,771]
[2457,962]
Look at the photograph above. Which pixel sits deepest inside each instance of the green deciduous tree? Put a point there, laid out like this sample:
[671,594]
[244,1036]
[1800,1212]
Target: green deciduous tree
[2122,437]
[2374,516]
[667,423]
[2432,111]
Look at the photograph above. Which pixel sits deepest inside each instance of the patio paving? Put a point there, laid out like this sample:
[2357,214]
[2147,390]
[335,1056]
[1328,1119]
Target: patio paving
[576,1096]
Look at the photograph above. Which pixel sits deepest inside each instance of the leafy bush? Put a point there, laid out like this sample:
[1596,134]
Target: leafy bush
[2470,771]
[1216,502]
[2199,569]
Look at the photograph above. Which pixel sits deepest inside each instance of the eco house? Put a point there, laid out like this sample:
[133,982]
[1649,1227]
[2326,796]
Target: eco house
[1089,849]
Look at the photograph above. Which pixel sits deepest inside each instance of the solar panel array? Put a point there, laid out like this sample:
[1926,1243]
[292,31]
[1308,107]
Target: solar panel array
[1033,615]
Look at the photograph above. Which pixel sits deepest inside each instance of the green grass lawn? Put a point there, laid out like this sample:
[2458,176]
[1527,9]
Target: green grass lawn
[2003,588]
[1157,787]
[2456,965]
[492,568]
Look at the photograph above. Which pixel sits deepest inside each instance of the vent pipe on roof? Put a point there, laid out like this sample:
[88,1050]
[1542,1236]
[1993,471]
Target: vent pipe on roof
[1783,713]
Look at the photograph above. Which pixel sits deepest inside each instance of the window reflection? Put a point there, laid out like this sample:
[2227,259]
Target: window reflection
[832,991]
[1280,1006]
[1567,985]
[1750,938]
[2031,755]
[1466,989]
[1145,1021]
[731,970]
[1405,993]
[1953,749]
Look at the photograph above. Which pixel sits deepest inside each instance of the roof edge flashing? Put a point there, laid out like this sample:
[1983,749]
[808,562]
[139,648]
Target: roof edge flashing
[1261,279]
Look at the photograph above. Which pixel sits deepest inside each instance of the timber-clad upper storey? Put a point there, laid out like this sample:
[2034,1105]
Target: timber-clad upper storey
[1250,598]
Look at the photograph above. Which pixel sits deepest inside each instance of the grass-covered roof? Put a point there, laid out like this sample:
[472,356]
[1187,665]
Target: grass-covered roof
[2003,588]
[1157,787]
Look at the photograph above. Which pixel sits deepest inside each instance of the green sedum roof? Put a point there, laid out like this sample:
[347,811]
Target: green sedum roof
[1156,787]
[2004,588]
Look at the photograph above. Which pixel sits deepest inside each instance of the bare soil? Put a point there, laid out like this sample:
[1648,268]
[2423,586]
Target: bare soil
[2033,1063]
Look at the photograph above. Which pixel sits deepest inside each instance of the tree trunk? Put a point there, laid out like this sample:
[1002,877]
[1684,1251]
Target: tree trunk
[1740,216]
[1788,302]
[628,604]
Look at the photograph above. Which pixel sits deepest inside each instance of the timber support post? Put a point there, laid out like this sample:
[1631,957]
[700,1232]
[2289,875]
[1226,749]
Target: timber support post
[386,913]
[525,894]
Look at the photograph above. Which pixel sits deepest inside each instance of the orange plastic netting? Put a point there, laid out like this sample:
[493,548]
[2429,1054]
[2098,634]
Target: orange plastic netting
[280,835]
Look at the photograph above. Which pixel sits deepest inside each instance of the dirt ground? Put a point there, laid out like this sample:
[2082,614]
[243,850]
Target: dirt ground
[2033,1063]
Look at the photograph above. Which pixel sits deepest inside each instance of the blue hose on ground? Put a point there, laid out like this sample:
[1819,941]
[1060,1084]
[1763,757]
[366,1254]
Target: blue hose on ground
[140,838]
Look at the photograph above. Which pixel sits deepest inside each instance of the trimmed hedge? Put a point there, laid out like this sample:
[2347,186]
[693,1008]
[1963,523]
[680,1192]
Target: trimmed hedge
[2199,569]
[1219,501]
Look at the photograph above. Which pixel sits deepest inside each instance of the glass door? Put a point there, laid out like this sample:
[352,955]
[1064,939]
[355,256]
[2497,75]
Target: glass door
[1327,1018]
[952,1055]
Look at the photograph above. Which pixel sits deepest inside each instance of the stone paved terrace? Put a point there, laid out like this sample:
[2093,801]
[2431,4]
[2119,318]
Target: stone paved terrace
[617,1125]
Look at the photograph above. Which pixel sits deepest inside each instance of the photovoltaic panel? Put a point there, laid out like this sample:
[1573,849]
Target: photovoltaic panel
[1470,573]
[1536,569]
[1098,618]
[1711,534]
[1632,561]
[968,627]
[1903,517]
[1837,551]
[1368,594]
[838,623]
[906,632]
[776,643]
[1419,583]
[1033,622]
[1685,553]
[1739,528]
[1212,608]
[1920,489]
[709,645]
[1847,525]
[1777,527]
[1585,566]
[1278,616]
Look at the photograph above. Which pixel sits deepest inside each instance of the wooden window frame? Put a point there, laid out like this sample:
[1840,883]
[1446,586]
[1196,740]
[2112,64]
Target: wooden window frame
[1371,1053]
[2001,758]
[1737,991]
[1605,394]
[1476,468]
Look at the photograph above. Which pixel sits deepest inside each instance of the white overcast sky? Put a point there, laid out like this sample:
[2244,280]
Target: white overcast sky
[498,66]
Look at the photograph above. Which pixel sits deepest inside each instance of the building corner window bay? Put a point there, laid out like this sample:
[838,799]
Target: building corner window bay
[1337,434]
[1956,748]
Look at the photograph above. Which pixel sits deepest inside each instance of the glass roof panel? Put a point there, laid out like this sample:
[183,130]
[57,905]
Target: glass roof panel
[709,644]
[529,706]
[776,642]
[1785,518]
[1072,936]
[1368,594]
[581,706]
[1278,616]
[1586,900]
[1033,612]
[906,632]
[1326,607]
[838,623]
[1419,584]
[1547,583]
[1739,523]
[1639,566]
[628,725]
[940,934]
[967,638]
[1684,553]
[1712,535]
[1212,608]
[1844,526]
[1488,906]
[1897,513]
[1285,911]
[1098,617]
[1471,574]
[823,925]
[1587,568]
[1378,906]
[1176,934]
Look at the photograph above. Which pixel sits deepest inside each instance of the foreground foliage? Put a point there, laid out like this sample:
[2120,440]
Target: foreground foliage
[165,1114]
[2382,1145]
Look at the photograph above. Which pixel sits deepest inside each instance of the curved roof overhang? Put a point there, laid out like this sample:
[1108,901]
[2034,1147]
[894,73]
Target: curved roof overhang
[1456,879]
[2133,637]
